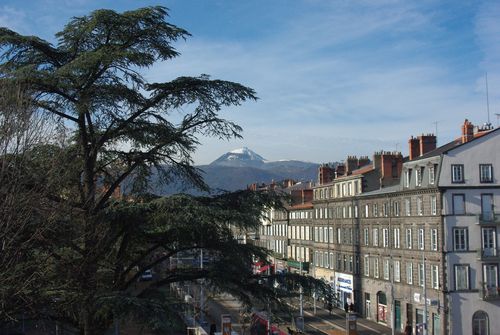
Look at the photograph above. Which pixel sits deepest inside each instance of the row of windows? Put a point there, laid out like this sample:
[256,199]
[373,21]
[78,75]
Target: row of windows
[340,189]
[485,173]
[489,283]
[375,236]
[338,261]
[371,268]
[458,207]
[372,210]
[381,237]
[488,240]
[419,173]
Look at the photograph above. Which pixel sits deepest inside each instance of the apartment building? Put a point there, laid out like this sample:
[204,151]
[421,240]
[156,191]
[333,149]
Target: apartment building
[410,240]
[336,235]
[470,192]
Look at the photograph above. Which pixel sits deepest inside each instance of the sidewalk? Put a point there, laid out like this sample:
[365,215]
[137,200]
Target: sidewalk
[320,323]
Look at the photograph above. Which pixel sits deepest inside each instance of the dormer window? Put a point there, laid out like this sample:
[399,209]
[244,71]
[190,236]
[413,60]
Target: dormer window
[418,176]
[431,175]
[407,178]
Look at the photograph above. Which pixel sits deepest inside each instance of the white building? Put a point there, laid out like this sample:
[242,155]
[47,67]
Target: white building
[469,180]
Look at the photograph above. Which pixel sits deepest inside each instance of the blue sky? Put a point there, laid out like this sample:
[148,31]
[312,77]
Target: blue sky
[334,78]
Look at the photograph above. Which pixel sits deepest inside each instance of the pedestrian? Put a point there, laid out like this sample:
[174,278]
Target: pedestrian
[408,330]
[213,329]
[351,307]
[346,307]
[330,307]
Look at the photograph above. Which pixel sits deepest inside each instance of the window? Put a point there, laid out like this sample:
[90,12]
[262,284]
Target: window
[489,241]
[396,238]
[397,271]
[433,205]
[460,239]
[375,268]
[367,211]
[408,207]
[421,274]
[375,209]
[330,235]
[485,173]
[339,261]
[408,238]
[487,207]
[432,177]
[421,238]
[375,237]
[325,257]
[435,276]
[458,204]
[480,323]
[407,178]
[386,269]
[385,237]
[396,208]
[339,236]
[418,175]
[457,173]
[490,280]
[434,239]
[420,209]
[385,209]
[366,236]
[366,266]
[409,273]
[332,261]
[461,277]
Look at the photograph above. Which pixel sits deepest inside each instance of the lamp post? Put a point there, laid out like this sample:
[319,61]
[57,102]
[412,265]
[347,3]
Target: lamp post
[301,309]
[425,295]
[201,290]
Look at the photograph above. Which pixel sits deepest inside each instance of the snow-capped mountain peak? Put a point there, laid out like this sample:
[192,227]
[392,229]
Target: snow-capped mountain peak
[240,157]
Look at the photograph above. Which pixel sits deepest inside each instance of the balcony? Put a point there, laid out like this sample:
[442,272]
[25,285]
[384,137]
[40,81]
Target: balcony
[488,218]
[489,293]
[489,254]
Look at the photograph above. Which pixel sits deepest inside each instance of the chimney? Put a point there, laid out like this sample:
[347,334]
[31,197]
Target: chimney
[307,195]
[427,143]
[363,161]
[351,164]
[467,131]
[414,148]
[325,174]
[391,164]
[339,170]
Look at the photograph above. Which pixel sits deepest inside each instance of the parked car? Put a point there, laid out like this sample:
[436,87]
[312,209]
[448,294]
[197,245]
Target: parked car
[147,275]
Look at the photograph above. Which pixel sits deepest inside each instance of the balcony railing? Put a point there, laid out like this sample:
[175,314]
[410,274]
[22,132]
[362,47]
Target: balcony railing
[488,254]
[489,292]
[488,218]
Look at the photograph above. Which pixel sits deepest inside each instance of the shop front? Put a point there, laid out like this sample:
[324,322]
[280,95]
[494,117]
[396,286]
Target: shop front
[344,289]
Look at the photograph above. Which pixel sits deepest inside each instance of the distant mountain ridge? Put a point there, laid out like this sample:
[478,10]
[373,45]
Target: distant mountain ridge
[239,168]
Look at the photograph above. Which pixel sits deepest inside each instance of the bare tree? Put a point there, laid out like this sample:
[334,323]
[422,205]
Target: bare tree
[22,132]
